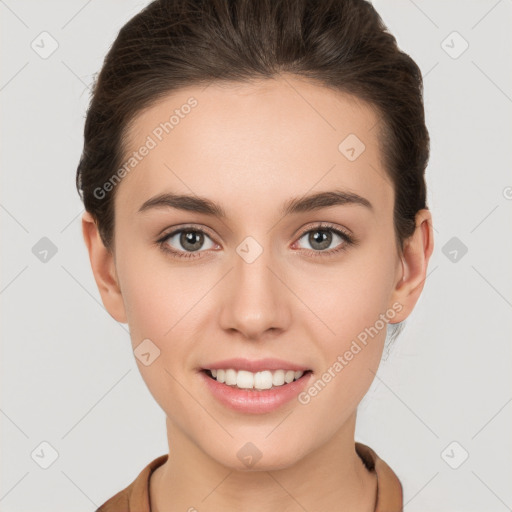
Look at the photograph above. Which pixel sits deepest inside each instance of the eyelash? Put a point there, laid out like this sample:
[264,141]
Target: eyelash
[348,241]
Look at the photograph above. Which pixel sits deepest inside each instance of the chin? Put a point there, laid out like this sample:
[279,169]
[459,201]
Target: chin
[264,456]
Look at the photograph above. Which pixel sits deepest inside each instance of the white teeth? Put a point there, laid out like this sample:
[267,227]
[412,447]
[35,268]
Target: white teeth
[278,378]
[289,376]
[230,378]
[265,379]
[244,380]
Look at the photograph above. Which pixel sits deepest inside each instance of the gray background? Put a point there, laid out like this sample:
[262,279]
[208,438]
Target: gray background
[69,378]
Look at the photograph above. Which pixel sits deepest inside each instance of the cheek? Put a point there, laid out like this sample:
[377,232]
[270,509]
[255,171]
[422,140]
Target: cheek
[149,308]
[350,297]
[351,349]
[154,300]
[352,302]
[154,294]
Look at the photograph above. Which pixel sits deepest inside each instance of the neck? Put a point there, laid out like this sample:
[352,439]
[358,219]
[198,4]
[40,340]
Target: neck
[332,477]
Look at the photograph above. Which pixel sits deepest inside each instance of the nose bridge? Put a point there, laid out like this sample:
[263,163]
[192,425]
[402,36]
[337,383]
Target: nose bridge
[254,301]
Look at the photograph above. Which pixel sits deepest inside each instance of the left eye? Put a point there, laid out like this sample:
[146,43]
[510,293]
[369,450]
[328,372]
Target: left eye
[320,239]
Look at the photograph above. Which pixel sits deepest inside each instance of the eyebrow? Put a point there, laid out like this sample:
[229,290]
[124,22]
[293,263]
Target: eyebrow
[295,205]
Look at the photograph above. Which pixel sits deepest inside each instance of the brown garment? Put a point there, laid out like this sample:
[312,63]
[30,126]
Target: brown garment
[135,498]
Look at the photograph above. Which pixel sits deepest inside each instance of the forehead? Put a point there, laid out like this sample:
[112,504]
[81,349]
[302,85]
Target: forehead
[268,139]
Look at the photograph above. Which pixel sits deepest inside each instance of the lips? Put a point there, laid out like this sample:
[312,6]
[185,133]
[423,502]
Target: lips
[254,401]
[254,366]
[273,383]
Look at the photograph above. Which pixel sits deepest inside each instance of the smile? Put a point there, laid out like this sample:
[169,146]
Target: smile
[254,392]
[262,380]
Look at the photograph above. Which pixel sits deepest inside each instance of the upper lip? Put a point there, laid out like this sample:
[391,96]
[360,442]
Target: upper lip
[255,365]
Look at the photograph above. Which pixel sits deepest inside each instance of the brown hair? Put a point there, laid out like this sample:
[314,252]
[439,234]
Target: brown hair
[342,44]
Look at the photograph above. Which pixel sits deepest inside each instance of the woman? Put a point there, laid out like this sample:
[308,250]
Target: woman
[253,179]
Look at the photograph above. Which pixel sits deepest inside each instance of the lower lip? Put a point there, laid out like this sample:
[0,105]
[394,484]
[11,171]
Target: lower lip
[254,401]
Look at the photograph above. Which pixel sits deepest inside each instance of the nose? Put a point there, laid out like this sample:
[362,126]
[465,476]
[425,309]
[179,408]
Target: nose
[254,300]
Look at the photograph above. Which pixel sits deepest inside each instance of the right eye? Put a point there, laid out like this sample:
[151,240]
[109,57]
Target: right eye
[185,242]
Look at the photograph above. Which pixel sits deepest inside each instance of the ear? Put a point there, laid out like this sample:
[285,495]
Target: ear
[414,262]
[104,270]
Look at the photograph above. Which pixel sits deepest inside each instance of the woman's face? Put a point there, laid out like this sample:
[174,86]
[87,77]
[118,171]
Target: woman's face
[267,280]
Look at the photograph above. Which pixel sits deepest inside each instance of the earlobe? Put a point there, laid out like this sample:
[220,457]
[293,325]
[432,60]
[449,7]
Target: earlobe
[103,268]
[414,261]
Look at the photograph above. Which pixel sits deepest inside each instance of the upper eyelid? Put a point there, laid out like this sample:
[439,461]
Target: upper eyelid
[326,226]
[173,232]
